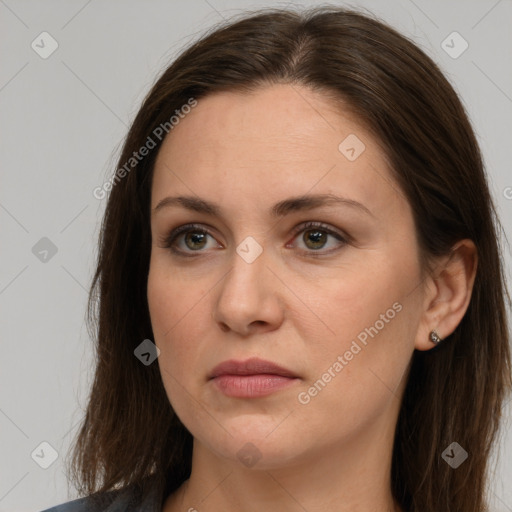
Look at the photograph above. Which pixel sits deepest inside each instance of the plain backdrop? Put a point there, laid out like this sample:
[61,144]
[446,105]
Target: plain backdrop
[63,119]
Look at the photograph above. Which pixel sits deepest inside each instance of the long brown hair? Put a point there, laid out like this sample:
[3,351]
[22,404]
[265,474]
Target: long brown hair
[454,392]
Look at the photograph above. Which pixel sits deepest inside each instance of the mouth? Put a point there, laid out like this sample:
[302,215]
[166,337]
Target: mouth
[251,378]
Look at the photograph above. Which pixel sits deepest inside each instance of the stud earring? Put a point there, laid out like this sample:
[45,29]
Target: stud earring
[434,337]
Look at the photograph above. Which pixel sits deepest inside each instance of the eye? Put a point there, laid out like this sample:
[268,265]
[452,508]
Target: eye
[190,238]
[316,236]
[187,238]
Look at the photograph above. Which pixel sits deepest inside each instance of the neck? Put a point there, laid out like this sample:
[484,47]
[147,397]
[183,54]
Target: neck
[351,477]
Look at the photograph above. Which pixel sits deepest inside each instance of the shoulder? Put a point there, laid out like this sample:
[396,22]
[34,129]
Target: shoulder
[123,500]
[78,505]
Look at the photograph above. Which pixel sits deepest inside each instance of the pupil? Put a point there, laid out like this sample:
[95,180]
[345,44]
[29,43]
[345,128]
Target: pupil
[315,236]
[196,238]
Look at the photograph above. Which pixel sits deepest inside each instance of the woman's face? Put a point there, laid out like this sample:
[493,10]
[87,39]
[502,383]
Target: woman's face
[337,304]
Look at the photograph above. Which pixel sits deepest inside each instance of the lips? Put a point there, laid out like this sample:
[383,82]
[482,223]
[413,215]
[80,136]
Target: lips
[252,378]
[253,366]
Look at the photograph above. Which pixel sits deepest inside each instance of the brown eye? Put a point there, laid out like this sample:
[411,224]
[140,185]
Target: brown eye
[195,240]
[315,238]
[188,239]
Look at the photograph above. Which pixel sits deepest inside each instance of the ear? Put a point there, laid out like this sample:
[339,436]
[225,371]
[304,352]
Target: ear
[448,292]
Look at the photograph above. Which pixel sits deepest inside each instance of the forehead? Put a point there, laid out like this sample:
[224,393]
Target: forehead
[275,117]
[274,140]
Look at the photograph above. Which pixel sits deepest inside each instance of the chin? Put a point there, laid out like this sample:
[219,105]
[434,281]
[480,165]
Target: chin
[255,444]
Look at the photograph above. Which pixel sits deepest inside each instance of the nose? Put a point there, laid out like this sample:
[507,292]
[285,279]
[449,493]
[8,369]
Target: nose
[249,298]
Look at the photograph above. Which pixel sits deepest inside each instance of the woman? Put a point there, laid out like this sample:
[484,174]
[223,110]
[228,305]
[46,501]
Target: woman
[301,303]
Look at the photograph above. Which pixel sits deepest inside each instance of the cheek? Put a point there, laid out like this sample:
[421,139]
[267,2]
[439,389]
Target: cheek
[173,298]
[371,315]
[356,300]
[178,309]
[167,308]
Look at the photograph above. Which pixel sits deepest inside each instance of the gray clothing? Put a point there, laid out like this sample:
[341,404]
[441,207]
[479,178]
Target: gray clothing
[124,500]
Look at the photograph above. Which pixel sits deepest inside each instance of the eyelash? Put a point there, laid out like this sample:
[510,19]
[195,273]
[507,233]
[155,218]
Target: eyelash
[169,241]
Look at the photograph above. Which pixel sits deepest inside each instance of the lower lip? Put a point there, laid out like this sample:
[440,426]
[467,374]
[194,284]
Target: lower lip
[251,386]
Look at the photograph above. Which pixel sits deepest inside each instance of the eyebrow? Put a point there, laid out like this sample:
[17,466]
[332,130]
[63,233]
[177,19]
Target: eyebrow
[280,209]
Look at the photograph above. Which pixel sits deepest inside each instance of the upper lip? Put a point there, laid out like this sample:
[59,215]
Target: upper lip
[253,366]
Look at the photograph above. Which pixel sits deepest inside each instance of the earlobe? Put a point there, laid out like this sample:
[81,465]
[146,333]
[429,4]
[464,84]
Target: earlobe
[449,299]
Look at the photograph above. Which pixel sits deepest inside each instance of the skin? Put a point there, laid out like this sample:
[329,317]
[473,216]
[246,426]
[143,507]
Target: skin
[247,152]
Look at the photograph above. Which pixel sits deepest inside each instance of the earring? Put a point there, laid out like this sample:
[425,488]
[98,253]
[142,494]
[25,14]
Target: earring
[434,337]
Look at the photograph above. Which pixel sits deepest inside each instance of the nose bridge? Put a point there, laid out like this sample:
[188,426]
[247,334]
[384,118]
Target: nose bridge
[246,276]
[247,294]
[248,258]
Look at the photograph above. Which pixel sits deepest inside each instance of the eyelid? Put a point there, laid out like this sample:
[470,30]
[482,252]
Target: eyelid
[343,238]
[168,241]
[304,226]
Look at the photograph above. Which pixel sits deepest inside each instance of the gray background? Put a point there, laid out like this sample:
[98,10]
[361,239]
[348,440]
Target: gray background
[63,119]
